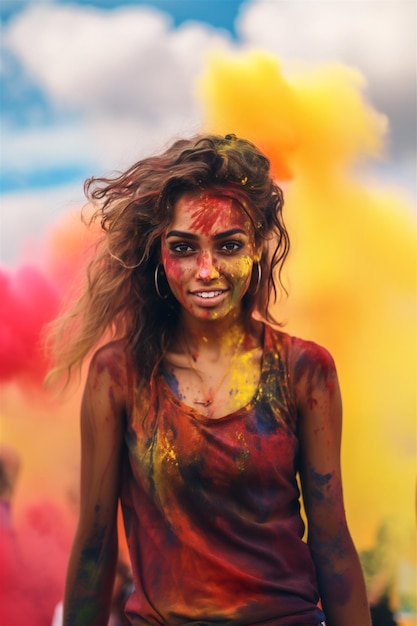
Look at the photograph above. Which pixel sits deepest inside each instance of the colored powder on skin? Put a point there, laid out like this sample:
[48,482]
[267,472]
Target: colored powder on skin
[205,214]
[351,272]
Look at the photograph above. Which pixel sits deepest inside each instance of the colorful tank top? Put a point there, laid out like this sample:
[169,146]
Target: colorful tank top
[211,507]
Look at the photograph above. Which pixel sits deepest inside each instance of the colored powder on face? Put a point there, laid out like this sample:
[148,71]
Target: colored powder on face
[208,212]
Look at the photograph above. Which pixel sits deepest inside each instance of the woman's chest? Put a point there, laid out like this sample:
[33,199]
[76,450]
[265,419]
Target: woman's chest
[182,452]
[216,389]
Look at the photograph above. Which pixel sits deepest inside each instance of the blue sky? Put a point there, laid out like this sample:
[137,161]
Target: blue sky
[218,13]
[89,86]
[24,104]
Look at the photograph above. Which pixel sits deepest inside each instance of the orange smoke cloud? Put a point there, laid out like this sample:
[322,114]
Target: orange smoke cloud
[351,274]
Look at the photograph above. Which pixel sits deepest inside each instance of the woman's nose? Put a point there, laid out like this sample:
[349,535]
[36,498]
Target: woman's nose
[206,267]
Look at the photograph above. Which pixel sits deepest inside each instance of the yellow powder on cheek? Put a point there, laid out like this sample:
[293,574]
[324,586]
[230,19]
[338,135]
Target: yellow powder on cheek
[237,267]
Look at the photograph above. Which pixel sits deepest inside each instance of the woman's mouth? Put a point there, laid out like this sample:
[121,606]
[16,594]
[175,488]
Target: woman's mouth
[209,296]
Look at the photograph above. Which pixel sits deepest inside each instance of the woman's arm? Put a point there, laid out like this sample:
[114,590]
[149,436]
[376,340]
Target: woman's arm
[93,558]
[340,578]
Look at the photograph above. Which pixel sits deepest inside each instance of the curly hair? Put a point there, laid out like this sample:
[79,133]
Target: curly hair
[135,208]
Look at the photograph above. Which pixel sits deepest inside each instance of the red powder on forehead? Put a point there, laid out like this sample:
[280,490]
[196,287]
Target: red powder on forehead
[210,210]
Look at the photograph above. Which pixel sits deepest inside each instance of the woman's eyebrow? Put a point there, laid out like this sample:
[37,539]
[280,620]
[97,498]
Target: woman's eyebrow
[182,234]
[223,235]
[230,233]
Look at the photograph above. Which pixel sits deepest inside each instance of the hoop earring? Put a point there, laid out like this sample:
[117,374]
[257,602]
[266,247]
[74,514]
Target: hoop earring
[156,281]
[258,281]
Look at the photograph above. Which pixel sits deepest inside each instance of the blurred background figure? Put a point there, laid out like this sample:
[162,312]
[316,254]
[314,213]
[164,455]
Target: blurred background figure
[9,472]
[382,614]
[390,574]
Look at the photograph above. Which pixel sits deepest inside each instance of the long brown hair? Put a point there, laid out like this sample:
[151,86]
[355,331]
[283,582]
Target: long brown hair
[119,299]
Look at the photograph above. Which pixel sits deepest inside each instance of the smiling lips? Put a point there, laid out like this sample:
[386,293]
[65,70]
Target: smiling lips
[208,295]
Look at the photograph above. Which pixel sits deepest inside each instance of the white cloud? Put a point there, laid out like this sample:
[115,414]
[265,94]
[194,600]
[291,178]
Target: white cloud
[44,147]
[128,61]
[26,216]
[128,72]
[378,36]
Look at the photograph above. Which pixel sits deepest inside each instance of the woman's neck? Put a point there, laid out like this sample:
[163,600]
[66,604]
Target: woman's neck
[213,329]
[216,367]
[216,337]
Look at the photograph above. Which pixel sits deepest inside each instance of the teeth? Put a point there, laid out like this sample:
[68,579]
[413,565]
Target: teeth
[208,294]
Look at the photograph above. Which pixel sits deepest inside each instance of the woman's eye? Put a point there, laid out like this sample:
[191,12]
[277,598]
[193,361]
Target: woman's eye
[181,248]
[231,246]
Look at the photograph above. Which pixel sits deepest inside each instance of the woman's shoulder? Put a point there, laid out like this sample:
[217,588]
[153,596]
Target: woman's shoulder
[109,374]
[111,350]
[111,359]
[298,349]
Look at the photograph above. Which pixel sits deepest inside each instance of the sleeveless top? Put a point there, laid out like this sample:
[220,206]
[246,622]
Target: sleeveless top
[211,507]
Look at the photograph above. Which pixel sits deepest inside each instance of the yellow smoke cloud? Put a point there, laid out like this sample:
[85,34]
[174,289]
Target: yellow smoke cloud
[352,272]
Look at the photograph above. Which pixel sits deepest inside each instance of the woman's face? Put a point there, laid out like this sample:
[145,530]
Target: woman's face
[208,251]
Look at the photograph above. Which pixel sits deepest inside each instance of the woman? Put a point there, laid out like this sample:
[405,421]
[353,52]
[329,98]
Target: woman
[199,413]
